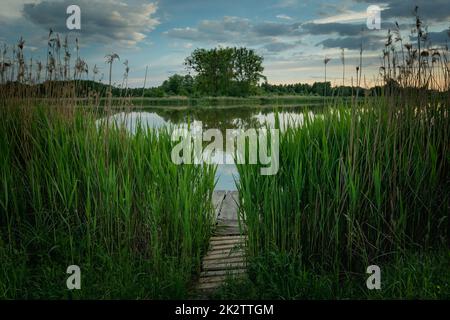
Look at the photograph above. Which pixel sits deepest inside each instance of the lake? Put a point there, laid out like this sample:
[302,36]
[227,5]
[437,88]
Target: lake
[218,118]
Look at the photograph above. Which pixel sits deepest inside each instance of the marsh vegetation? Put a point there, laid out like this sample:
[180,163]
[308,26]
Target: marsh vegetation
[365,183]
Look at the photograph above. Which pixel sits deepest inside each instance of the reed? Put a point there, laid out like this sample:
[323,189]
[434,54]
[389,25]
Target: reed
[356,186]
[78,191]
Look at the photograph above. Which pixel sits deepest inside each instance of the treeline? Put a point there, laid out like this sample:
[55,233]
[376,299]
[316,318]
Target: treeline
[185,86]
[179,85]
[305,89]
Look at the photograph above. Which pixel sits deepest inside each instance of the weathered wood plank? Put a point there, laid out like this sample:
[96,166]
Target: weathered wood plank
[224,250]
[229,208]
[207,262]
[232,272]
[228,237]
[226,254]
[230,246]
[227,223]
[217,200]
[214,266]
[226,241]
[212,279]
[228,230]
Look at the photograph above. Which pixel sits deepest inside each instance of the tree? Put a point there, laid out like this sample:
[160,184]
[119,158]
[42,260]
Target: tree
[178,85]
[225,71]
[247,69]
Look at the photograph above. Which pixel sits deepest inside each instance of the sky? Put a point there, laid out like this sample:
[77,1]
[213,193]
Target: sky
[293,36]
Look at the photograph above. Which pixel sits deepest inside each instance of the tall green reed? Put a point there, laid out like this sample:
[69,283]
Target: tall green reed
[77,191]
[355,185]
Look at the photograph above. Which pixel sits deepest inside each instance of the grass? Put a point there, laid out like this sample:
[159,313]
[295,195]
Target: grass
[78,192]
[362,185]
[282,276]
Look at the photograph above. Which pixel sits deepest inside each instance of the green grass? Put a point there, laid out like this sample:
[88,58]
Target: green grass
[359,186]
[282,276]
[75,192]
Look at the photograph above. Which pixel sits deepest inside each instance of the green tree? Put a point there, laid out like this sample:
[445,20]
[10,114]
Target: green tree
[225,71]
[178,85]
[247,67]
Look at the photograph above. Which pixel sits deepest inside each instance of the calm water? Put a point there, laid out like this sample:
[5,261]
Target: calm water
[222,119]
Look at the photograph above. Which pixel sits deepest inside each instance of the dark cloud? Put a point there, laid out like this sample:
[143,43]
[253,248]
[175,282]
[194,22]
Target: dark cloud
[279,46]
[274,36]
[271,36]
[374,42]
[430,10]
[439,38]
[213,30]
[343,29]
[101,21]
[235,29]
[273,29]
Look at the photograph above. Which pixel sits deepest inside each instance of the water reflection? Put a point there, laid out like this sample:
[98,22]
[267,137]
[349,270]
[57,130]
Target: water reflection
[218,118]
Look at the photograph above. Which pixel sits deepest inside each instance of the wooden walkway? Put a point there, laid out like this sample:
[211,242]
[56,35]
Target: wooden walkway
[226,254]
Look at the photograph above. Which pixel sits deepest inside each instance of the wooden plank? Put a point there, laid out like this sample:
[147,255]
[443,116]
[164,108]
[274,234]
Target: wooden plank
[217,200]
[226,255]
[242,238]
[235,196]
[226,230]
[229,208]
[224,266]
[233,272]
[223,255]
[219,279]
[226,249]
[224,260]
[228,237]
[227,241]
[227,222]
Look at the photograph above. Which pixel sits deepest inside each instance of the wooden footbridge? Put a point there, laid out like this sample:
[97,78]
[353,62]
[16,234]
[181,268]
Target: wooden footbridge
[226,254]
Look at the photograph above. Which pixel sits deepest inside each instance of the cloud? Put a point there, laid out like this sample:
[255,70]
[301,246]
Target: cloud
[235,29]
[276,29]
[343,29]
[283,17]
[439,38]
[343,16]
[374,42]
[272,37]
[431,11]
[13,10]
[286,4]
[212,30]
[101,21]
[279,46]
[349,35]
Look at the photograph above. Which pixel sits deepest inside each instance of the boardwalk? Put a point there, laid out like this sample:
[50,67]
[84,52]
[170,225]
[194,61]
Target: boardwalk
[226,254]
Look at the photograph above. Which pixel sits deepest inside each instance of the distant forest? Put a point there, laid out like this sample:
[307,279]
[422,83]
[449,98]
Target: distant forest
[184,86]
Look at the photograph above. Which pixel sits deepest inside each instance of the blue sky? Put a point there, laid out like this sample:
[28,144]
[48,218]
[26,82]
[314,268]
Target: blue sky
[293,36]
